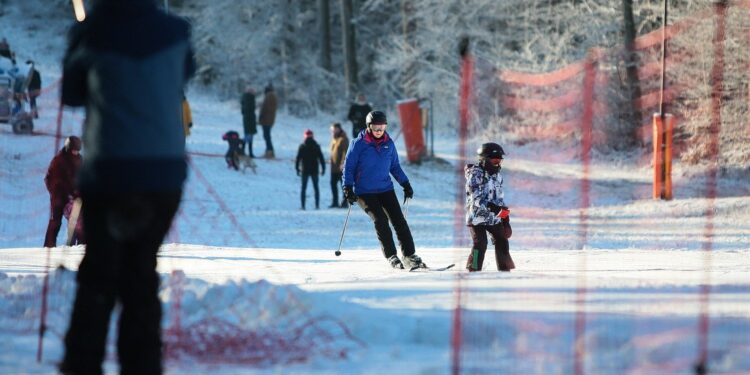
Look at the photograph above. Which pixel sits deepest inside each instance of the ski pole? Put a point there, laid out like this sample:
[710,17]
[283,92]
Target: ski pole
[338,252]
[406,207]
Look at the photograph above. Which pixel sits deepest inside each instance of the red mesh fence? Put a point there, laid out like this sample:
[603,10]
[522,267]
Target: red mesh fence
[583,112]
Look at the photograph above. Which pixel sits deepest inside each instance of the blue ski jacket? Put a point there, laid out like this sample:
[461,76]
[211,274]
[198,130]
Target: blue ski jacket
[370,162]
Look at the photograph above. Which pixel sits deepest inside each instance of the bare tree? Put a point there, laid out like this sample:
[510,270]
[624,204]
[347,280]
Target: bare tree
[350,52]
[634,119]
[324,29]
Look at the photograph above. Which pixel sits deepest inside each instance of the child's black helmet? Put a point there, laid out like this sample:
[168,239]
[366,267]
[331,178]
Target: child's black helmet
[490,151]
[375,117]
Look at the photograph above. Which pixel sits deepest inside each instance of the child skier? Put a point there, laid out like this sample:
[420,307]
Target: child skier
[485,209]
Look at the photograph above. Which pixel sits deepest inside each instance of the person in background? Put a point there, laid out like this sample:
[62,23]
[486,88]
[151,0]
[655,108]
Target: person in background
[248,118]
[187,116]
[339,146]
[306,164]
[235,148]
[370,162]
[34,88]
[485,209]
[267,118]
[357,113]
[128,64]
[5,49]
[60,182]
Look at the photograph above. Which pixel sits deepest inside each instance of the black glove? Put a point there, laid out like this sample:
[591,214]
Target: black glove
[408,191]
[349,195]
[502,211]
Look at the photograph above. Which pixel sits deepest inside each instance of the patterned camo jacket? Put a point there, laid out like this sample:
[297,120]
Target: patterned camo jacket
[481,189]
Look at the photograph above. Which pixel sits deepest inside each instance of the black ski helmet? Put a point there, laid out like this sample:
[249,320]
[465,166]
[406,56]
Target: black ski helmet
[375,117]
[490,150]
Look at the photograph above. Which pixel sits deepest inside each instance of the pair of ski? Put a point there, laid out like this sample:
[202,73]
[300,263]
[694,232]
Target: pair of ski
[426,269]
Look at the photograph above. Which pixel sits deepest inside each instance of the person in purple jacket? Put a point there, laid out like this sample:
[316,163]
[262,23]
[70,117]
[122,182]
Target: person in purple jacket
[370,162]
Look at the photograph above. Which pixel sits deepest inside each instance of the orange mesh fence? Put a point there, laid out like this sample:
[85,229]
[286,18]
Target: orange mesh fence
[573,118]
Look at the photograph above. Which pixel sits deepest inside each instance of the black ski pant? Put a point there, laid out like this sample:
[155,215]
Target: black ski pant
[57,206]
[124,232]
[267,137]
[384,207]
[305,177]
[336,178]
[500,234]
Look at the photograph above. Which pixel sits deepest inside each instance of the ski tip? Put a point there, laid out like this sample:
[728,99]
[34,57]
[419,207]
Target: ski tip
[433,269]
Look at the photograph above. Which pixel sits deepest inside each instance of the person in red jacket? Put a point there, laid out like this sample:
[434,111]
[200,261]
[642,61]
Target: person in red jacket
[60,181]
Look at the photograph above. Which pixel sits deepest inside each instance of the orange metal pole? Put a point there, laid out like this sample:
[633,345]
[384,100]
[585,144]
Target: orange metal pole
[668,128]
[658,160]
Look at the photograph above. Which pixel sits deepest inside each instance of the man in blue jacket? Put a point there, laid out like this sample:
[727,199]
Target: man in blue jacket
[370,162]
[127,63]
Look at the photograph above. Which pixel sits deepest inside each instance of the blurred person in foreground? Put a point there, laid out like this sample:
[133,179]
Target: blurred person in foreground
[60,182]
[370,162]
[339,145]
[127,63]
[486,211]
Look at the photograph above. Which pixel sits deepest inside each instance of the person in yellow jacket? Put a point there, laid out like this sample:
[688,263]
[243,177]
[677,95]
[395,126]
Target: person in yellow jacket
[187,117]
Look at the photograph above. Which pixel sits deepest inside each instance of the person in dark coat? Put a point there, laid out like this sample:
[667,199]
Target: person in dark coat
[339,145]
[127,63]
[35,88]
[370,162]
[235,148]
[308,157]
[248,118]
[5,49]
[357,113]
[60,182]
[267,118]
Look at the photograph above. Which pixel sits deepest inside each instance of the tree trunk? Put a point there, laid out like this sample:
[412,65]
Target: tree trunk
[631,66]
[324,29]
[350,58]
[409,26]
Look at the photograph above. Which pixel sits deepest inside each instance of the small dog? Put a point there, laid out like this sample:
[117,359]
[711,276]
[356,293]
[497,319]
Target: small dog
[244,161]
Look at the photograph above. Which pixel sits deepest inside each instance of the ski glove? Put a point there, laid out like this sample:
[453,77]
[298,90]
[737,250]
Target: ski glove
[501,211]
[349,194]
[408,191]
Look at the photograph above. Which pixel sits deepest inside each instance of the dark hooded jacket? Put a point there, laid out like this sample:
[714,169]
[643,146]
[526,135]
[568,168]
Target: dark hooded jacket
[309,156]
[131,82]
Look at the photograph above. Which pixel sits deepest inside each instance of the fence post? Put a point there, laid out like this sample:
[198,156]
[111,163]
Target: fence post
[668,128]
[658,157]
[663,126]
